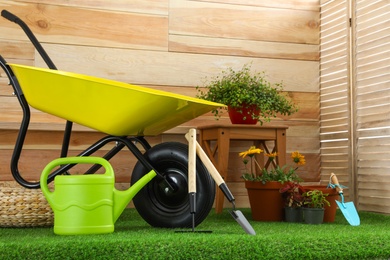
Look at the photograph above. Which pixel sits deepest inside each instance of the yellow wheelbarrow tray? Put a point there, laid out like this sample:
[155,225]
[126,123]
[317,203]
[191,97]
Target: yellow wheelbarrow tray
[109,106]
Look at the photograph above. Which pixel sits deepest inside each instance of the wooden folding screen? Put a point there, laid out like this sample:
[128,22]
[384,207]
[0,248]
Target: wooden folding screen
[355,95]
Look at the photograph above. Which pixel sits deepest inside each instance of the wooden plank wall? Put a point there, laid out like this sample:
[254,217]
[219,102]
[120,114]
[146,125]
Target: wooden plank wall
[170,45]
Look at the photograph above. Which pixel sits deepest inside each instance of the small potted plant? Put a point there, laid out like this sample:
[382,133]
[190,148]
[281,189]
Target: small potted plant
[249,97]
[314,202]
[292,193]
[263,184]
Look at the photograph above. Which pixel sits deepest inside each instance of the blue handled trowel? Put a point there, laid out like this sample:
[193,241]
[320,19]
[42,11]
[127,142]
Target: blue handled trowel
[347,208]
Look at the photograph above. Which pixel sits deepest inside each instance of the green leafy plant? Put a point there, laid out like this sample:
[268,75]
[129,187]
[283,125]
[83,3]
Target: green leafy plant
[281,174]
[315,199]
[244,89]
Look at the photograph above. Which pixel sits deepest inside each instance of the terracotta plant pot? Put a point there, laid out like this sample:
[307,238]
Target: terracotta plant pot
[293,215]
[238,118]
[313,215]
[330,211]
[265,200]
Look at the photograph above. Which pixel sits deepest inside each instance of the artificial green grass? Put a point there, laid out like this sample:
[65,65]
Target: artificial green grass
[135,239]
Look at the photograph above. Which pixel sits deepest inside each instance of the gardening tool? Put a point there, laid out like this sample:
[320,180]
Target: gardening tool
[87,204]
[191,137]
[236,214]
[347,208]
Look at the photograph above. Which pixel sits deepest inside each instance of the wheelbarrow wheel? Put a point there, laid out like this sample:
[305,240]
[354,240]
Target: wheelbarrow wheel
[171,209]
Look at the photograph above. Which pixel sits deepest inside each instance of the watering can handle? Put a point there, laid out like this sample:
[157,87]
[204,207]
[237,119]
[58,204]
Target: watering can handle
[71,160]
[335,181]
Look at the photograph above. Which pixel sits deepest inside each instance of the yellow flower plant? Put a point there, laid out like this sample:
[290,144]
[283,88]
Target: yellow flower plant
[280,174]
[251,153]
[298,158]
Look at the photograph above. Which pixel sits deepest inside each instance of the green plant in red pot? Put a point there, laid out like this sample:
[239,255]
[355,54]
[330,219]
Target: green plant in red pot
[248,94]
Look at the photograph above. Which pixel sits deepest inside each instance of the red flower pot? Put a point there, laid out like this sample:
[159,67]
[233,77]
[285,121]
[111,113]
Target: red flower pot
[265,200]
[245,117]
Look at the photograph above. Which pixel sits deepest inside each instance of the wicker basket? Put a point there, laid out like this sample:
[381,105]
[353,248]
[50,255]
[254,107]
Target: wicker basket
[22,207]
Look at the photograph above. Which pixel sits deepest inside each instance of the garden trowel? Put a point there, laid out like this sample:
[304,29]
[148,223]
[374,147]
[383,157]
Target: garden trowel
[237,214]
[347,208]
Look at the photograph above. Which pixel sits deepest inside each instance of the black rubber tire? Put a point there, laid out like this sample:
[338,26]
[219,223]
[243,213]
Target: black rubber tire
[172,209]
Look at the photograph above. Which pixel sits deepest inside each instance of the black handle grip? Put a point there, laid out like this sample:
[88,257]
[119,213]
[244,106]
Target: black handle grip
[13,18]
[227,192]
[9,16]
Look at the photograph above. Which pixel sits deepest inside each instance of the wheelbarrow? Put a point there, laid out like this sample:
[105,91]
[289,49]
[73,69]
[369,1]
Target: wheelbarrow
[126,113]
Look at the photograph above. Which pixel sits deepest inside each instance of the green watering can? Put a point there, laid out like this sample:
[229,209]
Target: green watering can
[87,204]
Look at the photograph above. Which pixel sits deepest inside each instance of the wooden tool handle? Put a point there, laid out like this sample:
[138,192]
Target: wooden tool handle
[335,181]
[206,161]
[191,136]
[209,165]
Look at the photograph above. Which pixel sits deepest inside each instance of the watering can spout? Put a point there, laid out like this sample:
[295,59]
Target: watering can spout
[123,197]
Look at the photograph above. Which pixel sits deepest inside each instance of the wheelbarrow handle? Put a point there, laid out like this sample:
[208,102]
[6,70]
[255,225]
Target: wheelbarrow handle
[9,16]
[13,18]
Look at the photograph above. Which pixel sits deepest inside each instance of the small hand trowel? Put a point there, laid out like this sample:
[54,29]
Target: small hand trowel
[347,208]
[237,215]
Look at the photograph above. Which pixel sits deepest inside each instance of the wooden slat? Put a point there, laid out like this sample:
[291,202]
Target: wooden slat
[379,208]
[291,4]
[333,56]
[245,48]
[370,43]
[161,68]
[378,108]
[48,144]
[16,50]
[11,114]
[375,120]
[372,142]
[332,107]
[52,140]
[32,163]
[338,82]
[159,7]
[381,203]
[335,117]
[72,25]
[255,23]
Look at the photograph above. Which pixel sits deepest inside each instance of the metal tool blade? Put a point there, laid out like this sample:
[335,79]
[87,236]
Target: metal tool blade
[349,211]
[240,218]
